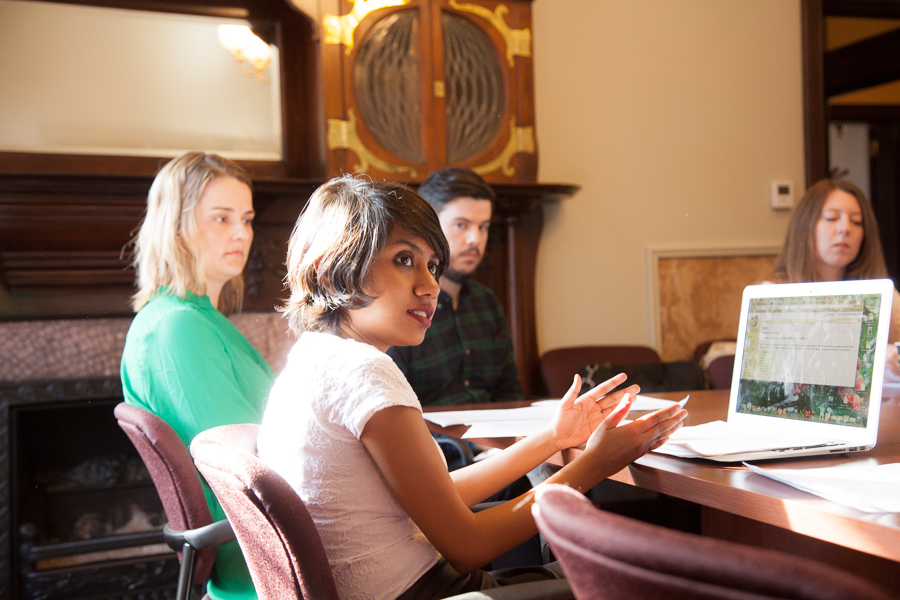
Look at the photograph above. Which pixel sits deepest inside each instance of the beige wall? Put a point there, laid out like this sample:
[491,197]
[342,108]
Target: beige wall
[673,117]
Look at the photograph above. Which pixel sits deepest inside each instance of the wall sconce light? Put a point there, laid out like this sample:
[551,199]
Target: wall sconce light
[251,53]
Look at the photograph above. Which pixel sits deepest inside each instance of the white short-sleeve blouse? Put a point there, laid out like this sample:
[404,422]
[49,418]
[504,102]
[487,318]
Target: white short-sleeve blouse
[310,434]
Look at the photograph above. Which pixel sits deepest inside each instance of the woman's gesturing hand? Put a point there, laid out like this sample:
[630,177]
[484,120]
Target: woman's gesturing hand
[613,447]
[576,418]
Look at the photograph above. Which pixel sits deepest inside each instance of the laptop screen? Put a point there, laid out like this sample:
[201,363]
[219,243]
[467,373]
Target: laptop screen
[810,358]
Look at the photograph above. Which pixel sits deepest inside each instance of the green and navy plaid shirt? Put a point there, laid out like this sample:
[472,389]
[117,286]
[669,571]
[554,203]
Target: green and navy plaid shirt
[466,356]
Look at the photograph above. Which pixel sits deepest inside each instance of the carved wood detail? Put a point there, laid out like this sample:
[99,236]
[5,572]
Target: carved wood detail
[64,248]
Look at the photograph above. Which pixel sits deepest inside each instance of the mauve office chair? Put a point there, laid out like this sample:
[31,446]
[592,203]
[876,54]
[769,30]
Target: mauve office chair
[611,557]
[279,539]
[190,531]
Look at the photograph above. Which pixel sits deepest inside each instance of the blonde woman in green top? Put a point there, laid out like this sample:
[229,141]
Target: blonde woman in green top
[183,360]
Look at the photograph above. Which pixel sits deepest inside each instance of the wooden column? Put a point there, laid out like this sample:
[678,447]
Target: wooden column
[518,224]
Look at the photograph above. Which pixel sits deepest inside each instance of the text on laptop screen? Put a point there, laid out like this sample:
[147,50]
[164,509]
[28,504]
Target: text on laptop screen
[810,358]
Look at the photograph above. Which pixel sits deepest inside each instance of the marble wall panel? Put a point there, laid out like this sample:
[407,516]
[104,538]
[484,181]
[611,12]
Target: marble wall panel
[82,348]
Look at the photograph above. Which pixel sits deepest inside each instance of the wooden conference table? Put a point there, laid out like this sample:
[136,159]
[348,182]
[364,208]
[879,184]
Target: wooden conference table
[742,506]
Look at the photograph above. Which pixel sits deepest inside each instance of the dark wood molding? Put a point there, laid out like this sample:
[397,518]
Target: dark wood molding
[879,9]
[827,74]
[523,235]
[815,126]
[864,112]
[865,64]
[66,253]
[65,247]
[521,217]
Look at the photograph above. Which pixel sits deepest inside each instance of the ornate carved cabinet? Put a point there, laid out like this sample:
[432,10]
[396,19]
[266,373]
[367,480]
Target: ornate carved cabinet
[411,86]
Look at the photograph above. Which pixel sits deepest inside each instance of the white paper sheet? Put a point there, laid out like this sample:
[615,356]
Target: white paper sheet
[542,409]
[509,429]
[869,488]
[504,429]
[490,415]
[718,438]
[517,422]
[641,403]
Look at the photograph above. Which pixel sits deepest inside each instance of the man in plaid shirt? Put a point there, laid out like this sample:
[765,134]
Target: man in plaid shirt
[467,354]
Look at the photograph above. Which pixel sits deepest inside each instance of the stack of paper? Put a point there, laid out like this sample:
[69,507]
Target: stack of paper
[869,488]
[496,422]
[717,438]
[520,422]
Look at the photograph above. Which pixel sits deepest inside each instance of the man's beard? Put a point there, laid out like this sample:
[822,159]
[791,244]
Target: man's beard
[455,275]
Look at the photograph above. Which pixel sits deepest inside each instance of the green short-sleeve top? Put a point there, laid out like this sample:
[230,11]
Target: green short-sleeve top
[186,363]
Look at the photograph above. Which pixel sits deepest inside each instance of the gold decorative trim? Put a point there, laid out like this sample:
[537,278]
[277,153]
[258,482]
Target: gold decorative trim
[342,136]
[439,91]
[521,140]
[340,29]
[518,41]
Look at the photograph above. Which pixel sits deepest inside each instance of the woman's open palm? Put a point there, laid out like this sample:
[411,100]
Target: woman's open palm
[577,417]
[611,448]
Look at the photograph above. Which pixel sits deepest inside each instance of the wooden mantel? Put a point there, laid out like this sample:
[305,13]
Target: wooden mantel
[64,248]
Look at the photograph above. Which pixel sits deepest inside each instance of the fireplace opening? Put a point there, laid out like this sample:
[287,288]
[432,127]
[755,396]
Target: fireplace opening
[86,519]
[79,476]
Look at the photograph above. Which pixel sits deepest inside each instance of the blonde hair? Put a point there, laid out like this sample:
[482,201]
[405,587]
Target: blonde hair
[344,226]
[163,256]
[797,262]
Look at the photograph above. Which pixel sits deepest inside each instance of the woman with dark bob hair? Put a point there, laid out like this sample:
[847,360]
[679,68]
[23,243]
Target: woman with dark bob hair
[345,429]
[833,236]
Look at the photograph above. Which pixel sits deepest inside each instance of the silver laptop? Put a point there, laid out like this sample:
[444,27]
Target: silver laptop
[808,371]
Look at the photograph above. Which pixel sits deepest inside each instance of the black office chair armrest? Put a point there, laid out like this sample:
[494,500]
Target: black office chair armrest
[486,505]
[467,457]
[551,589]
[201,538]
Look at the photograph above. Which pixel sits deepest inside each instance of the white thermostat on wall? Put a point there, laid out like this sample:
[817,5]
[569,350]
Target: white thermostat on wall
[782,195]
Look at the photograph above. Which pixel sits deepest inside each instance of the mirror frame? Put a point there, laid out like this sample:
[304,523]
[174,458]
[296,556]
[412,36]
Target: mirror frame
[303,136]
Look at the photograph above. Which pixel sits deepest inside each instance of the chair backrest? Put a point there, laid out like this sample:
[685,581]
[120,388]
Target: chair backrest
[720,371]
[279,539]
[559,366]
[174,475]
[608,556]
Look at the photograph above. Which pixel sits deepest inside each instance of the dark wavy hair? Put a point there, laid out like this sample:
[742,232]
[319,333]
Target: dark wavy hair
[446,185]
[332,249]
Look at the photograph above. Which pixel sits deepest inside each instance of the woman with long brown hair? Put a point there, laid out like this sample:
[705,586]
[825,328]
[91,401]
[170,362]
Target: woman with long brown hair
[833,236]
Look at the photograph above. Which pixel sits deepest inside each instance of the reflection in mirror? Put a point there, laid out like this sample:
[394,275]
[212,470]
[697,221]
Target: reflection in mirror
[87,80]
